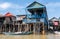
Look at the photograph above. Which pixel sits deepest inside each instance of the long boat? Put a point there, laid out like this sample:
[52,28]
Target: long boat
[17,33]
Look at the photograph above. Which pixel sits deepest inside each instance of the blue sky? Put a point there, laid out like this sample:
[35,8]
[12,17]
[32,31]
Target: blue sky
[17,7]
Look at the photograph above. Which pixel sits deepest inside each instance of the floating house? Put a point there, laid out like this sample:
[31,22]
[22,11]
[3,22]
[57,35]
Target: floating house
[52,20]
[36,17]
[7,22]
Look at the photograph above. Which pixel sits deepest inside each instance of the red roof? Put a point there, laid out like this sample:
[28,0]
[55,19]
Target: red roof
[8,14]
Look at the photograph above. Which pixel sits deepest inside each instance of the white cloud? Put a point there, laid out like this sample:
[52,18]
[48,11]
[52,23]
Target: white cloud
[5,5]
[11,7]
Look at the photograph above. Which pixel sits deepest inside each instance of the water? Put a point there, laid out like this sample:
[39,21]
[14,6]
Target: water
[50,36]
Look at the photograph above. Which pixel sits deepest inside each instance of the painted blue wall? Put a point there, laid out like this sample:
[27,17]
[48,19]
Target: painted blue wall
[33,18]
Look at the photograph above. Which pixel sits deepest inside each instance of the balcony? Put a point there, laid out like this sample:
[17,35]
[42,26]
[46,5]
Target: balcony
[35,16]
[28,20]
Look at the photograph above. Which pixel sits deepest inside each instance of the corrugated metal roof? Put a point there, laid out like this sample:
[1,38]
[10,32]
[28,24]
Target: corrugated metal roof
[35,5]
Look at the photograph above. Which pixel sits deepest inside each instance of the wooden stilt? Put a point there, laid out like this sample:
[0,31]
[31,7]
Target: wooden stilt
[18,27]
[5,27]
[43,32]
[21,28]
[30,28]
[39,27]
[9,28]
[13,26]
[34,28]
[26,28]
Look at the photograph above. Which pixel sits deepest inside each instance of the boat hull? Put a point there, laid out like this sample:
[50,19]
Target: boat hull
[16,33]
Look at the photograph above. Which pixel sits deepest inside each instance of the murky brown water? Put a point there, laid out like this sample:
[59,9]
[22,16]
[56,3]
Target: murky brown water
[29,36]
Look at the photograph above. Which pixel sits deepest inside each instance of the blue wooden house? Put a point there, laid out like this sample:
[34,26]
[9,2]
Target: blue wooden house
[36,16]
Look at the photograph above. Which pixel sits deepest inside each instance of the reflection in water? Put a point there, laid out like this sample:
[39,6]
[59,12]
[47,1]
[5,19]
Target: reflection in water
[29,36]
[22,37]
[43,37]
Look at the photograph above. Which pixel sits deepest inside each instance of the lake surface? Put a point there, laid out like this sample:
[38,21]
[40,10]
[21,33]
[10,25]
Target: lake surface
[50,36]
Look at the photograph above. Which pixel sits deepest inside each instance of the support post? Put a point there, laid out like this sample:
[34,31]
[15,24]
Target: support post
[34,28]
[43,32]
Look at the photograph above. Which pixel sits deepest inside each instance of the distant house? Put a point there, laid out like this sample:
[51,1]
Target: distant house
[54,22]
[54,19]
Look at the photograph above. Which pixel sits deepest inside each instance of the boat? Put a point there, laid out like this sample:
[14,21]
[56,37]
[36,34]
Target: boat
[17,33]
[57,32]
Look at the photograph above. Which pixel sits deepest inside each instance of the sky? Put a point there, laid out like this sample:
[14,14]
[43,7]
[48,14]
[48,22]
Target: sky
[17,7]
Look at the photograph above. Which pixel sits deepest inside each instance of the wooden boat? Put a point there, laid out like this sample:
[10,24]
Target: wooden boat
[17,33]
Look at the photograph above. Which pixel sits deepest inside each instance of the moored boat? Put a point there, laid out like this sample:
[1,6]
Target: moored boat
[57,32]
[17,33]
